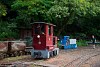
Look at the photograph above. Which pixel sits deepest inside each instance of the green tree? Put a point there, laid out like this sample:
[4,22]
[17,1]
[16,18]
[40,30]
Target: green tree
[3,10]
[6,31]
[32,10]
[74,16]
[64,12]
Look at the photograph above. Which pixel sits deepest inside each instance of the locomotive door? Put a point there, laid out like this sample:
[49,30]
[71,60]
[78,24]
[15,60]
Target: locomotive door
[49,37]
[39,38]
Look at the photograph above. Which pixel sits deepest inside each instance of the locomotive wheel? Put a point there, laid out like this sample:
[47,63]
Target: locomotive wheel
[55,53]
[51,54]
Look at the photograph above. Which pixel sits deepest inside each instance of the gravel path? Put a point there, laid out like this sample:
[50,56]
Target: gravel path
[80,57]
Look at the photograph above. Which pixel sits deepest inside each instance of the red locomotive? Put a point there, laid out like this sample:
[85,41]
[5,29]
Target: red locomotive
[44,43]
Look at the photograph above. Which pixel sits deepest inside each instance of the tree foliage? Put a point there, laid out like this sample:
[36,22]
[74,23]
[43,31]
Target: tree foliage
[69,16]
[33,10]
[3,11]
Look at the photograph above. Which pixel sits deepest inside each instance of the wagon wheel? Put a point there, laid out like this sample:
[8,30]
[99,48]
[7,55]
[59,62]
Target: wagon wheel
[18,53]
[9,54]
[21,53]
[26,53]
[1,56]
[15,53]
[5,55]
[29,53]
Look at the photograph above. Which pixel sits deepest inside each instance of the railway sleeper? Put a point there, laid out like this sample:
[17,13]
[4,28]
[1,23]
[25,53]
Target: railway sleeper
[13,54]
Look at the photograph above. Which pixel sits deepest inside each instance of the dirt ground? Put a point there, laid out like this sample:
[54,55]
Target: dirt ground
[80,57]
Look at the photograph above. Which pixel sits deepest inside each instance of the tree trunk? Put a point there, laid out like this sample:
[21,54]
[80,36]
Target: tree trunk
[68,21]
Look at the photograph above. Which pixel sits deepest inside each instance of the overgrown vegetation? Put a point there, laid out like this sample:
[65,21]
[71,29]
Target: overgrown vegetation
[69,16]
[81,43]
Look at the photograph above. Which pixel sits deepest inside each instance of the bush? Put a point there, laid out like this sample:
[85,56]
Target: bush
[78,36]
[6,31]
[81,43]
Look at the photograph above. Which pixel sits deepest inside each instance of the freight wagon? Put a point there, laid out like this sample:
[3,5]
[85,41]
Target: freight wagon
[11,48]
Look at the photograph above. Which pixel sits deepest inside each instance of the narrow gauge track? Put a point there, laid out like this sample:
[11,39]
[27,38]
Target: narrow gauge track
[14,55]
[82,59]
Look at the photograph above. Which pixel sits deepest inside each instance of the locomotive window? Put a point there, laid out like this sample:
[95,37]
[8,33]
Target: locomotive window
[42,29]
[49,28]
[39,29]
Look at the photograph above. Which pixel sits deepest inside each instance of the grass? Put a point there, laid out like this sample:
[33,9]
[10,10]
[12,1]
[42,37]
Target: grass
[81,43]
[18,58]
[11,59]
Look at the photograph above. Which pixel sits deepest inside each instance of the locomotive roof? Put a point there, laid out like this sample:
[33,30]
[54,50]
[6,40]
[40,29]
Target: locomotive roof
[43,23]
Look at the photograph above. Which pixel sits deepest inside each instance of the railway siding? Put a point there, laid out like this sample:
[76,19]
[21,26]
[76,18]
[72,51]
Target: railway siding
[81,57]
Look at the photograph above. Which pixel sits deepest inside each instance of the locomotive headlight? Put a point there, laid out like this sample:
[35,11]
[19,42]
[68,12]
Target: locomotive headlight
[38,36]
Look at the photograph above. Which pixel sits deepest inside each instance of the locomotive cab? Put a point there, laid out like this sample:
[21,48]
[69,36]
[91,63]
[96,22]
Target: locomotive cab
[43,40]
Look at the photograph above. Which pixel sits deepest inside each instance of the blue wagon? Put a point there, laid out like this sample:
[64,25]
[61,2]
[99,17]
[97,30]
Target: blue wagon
[67,43]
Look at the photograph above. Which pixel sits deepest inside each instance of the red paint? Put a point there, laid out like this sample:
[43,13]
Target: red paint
[45,41]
